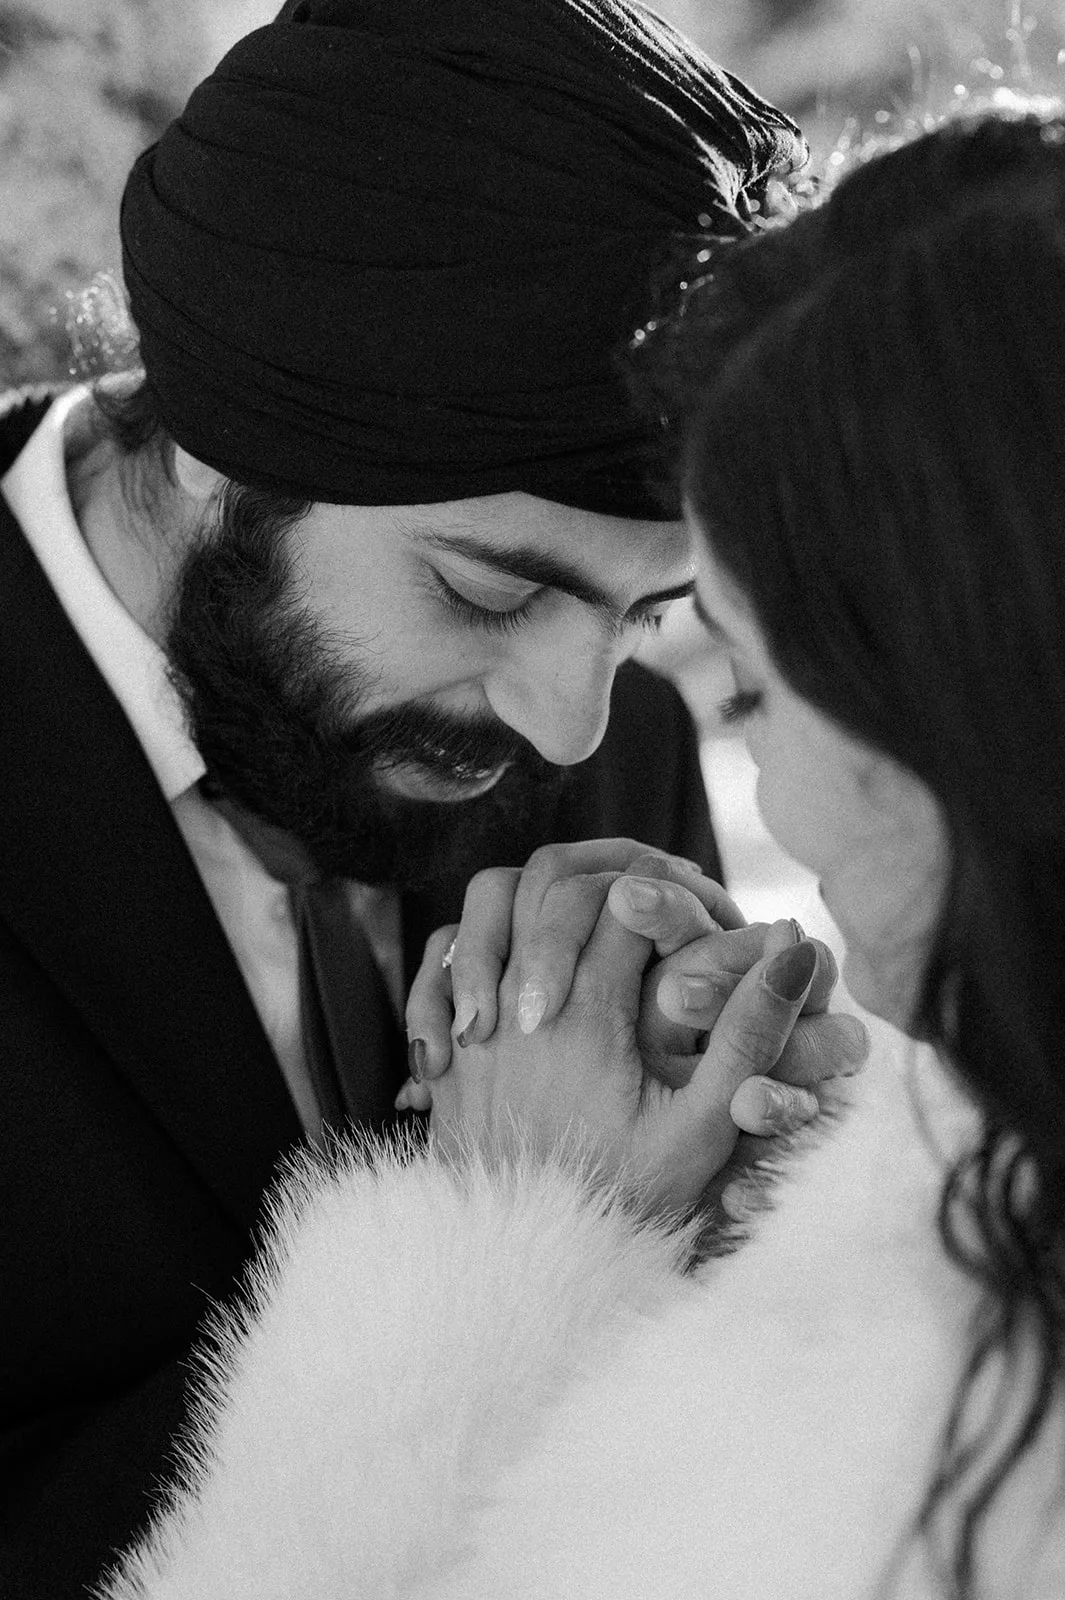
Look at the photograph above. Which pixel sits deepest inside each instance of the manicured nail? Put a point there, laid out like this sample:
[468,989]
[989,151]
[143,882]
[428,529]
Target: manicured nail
[696,993]
[416,1059]
[789,975]
[532,1003]
[641,894]
[465,1017]
[797,930]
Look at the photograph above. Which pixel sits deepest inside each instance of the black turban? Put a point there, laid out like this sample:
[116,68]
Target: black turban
[390,250]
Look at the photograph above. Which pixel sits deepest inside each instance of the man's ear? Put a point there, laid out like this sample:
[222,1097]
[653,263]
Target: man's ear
[195,478]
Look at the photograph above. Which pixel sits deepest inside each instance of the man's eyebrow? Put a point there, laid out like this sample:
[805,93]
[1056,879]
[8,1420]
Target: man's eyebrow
[549,572]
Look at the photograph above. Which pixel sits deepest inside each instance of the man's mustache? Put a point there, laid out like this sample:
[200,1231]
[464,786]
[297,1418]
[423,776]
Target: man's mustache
[439,742]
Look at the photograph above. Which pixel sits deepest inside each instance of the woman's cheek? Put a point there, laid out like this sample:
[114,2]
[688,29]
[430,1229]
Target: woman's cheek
[784,814]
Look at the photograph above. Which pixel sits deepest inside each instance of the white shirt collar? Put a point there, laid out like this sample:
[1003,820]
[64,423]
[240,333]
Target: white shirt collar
[131,663]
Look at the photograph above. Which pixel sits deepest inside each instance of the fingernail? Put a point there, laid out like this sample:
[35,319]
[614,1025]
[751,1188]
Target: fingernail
[532,1003]
[465,1017]
[787,1109]
[797,930]
[642,895]
[741,1197]
[854,1039]
[789,975]
[416,1059]
[696,993]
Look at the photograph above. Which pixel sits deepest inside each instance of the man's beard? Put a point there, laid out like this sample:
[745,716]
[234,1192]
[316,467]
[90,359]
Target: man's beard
[275,714]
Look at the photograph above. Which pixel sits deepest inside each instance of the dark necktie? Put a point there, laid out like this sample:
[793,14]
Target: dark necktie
[351,1042]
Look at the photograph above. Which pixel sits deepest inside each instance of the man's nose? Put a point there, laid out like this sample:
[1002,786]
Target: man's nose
[557,696]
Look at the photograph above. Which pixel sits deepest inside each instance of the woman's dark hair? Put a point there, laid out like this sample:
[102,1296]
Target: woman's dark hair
[873,436]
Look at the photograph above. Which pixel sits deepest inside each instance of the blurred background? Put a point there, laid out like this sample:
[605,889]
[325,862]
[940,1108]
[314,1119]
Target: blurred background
[85,84]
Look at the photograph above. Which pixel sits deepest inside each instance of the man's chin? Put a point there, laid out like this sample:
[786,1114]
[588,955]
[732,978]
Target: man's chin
[409,781]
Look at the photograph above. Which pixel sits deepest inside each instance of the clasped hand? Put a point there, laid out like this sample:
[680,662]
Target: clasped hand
[555,1022]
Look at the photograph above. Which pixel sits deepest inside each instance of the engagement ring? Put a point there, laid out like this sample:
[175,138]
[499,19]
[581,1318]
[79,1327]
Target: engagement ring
[449,954]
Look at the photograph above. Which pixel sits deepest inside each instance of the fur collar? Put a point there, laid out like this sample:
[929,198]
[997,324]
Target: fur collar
[500,1385]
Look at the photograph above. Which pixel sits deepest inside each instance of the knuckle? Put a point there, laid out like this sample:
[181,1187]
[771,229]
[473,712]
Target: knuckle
[820,1048]
[650,864]
[843,1041]
[487,885]
[684,909]
[593,996]
[735,949]
[566,895]
[432,974]
[548,862]
[550,950]
[439,941]
[805,1058]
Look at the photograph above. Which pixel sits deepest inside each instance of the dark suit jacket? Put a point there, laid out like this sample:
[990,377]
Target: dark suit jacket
[143,1112]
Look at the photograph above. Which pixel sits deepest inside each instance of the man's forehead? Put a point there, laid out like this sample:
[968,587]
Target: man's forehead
[608,553]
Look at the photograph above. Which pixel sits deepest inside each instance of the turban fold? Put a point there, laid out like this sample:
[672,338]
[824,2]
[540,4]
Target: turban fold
[390,250]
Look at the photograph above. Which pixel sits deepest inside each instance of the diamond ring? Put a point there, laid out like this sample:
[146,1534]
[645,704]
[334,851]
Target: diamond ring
[449,955]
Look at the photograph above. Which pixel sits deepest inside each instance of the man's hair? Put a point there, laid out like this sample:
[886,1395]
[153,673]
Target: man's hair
[131,415]
[870,403]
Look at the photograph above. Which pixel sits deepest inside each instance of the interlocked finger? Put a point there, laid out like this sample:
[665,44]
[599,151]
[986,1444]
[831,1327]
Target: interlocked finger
[766,1107]
[671,905]
[429,1009]
[549,954]
[829,1045]
[481,945]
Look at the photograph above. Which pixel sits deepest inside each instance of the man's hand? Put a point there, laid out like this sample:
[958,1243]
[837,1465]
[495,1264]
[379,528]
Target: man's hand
[539,918]
[541,914]
[580,1077]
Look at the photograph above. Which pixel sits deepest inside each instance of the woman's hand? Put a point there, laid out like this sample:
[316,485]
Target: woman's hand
[542,914]
[683,996]
[540,919]
[579,1079]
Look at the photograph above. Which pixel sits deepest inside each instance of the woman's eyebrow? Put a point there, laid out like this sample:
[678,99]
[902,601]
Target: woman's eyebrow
[550,572]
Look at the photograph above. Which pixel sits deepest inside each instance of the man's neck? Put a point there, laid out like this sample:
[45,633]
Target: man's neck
[134,556]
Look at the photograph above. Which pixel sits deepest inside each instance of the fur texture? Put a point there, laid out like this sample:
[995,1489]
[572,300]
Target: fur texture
[500,1384]
[403,1332]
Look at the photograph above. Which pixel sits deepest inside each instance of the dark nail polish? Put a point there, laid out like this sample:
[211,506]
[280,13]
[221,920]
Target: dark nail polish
[788,975]
[465,1018]
[416,1059]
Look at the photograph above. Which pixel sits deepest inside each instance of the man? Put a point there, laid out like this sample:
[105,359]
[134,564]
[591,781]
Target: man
[338,592]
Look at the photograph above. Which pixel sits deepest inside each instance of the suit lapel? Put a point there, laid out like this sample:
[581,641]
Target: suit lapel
[97,882]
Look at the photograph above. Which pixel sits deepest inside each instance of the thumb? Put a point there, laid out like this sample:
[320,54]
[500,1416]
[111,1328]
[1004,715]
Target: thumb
[752,1030]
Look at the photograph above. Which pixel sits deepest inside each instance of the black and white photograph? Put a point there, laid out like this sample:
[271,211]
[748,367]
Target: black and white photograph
[532,800]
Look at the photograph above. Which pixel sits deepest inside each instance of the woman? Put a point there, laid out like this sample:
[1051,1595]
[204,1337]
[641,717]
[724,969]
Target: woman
[494,1378]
